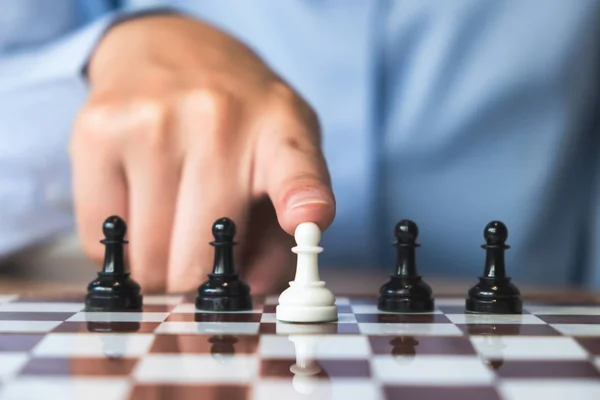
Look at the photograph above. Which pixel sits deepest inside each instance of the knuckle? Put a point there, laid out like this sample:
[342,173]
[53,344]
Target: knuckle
[209,103]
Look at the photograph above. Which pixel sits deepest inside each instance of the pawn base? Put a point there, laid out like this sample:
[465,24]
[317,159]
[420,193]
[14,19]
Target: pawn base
[224,303]
[406,295]
[110,292]
[224,293]
[494,296]
[306,314]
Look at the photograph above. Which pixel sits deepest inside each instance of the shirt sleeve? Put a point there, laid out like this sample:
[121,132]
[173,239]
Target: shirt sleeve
[41,90]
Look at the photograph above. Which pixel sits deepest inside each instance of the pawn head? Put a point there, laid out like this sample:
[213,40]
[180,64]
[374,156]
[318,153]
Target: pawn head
[114,228]
[406,231]
[495,233]
[223,229]
[307,234]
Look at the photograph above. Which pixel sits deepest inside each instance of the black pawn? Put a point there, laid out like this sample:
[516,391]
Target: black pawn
[224,290]
[406,292]
[113,289]
[495,293]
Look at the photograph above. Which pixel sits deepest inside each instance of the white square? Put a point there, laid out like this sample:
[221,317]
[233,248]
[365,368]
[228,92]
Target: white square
[372,309]
[454,302]
[549,389]
[339,389]
[66,388]
[528,348]
[201,328]
[524,319]
[577,329]
[42,307]
[5,298]
[157,368]
[118,317]
[28,326]
[318,346]
[433,370]
[405,329]
[167,300]
[11,364]
[564,310]
[93,345]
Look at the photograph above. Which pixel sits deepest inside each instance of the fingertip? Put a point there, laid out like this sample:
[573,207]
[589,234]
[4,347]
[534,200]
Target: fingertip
[309,206]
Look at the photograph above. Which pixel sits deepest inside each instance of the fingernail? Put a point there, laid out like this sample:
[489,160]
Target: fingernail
[303,199]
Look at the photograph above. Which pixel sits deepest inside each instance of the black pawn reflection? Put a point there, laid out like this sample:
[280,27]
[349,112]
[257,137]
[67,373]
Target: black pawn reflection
[495,293]
[223,347]
[406,291]
[113,289]
[404,348]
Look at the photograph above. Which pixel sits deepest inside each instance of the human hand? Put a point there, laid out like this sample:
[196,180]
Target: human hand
[184,125]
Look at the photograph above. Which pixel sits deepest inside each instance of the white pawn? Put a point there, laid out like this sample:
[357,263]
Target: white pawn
[307,299]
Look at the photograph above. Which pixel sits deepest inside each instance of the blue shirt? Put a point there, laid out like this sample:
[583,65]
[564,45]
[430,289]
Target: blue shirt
[452,114]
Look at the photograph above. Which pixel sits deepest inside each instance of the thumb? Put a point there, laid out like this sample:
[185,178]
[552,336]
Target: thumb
[298,181]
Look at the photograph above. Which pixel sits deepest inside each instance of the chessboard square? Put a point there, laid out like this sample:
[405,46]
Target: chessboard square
[388,318]
[325,346]
[549,389]
[372,309]
[118,317]
[526,319]
[78,366]
[67,388]
[34,316]
[217,328]
[578,329]
[409,329]
[106,327]
[56,307]
[214,317]
[339,389]
[597,362]
[433,370]
[528,348]
[321,368]
[449,392]
[221,345]
[451,301]
[571,319]
[169,300]
[13,342]
[6,298]
[167,368]
[27,326]
[11,364]
[508,330]
[93,345]
[546,369]
[146,391]
[421,345]
[563,310]
[591,344]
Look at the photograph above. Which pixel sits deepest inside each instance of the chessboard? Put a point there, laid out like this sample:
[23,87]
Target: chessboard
[51,348]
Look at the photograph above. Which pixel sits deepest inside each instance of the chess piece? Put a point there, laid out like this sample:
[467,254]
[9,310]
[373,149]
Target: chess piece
[307,299]
[495,293]
[113,289]
[223,290]
[306,370]
[223,347]
[406,291]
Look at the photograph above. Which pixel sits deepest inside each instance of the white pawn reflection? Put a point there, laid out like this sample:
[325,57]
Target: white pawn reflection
[306,339]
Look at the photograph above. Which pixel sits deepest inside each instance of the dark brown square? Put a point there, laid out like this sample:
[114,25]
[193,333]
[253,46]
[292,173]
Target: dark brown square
[403,318]
[280,368]
[79,366]
[205,344]
[214,317]
[189,392]
[270,328]
[428,345]
[570,319]
[591,344]
[35,316]
[508,329]
[106,327]
[18,342]
[452,309]
[545,369]
[440,392]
